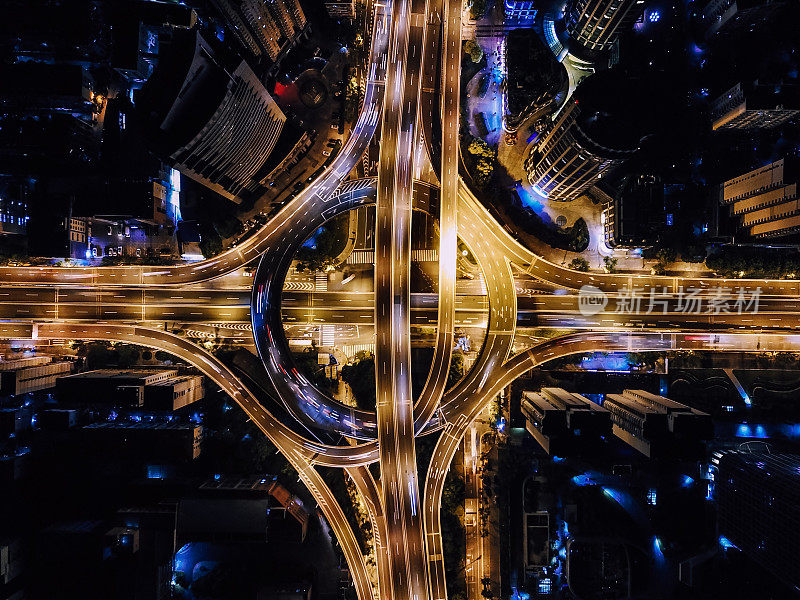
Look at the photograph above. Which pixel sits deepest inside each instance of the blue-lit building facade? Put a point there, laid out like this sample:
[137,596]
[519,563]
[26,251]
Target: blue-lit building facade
[520,11]
[566,162]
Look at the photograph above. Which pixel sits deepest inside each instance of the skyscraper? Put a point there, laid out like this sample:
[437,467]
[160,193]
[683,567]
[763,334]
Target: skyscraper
[265,27]
[215,125]
[595,24]
[593,133]
[758,499]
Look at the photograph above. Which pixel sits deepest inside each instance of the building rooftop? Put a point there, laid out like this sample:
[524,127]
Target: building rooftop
[122,373]
[615,111]
[143,426]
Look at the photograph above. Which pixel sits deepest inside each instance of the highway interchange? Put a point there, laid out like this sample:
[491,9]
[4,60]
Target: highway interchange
[414,43]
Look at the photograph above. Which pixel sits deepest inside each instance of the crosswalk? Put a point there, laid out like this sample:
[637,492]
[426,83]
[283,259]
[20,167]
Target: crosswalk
[367,257]
[351,350]
[361,257]
[320,281]
[327,335]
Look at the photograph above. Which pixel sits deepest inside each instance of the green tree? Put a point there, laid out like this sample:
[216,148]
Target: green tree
[210,243]
[456,369]
[325,245]
[610,264]
[474,50]
[578,236]
[483,157]
[579,264]
[98,354]
[477,8]
[360,376]
[666,255]
[659,268]
[127,355]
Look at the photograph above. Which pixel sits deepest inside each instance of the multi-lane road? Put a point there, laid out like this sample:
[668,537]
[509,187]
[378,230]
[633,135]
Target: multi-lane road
[407,38]
[405,567]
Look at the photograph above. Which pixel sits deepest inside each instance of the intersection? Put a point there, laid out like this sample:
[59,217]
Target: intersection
[125,304]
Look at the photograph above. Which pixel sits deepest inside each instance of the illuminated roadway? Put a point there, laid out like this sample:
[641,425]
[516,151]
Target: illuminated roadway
[410,565]
[405,567]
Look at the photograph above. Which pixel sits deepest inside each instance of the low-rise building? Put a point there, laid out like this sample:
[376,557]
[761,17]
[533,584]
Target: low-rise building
[765,204]
[122,236]
[15,420]
[648,421]
[554,415]
[174,393]
[57,419]
[147,440]
[13,211]
[243,509]
[756,105]
[26,375]
[152,389]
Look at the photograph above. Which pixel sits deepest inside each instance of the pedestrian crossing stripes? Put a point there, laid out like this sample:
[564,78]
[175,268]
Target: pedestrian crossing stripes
[361,257]
[425,255]
[327,335]
[320,281]
[367,257]
[351,351]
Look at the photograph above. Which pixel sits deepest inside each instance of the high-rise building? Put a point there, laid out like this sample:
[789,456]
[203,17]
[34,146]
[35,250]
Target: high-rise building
[566,162]
[758,499]
[753,105]
[141,30]
[637,214]
[596,131]
[731,18]
[716,13]
[595,24]
[264,27]
[765,204]
[214,124]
